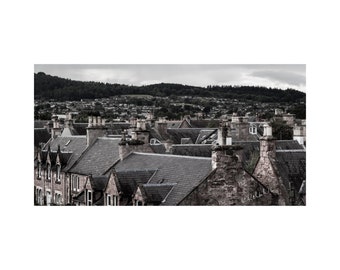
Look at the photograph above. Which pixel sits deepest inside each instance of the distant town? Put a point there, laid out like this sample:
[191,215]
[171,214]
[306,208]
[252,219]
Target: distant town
[145,149]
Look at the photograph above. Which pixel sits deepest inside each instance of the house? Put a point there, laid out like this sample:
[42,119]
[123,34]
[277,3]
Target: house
[282,171]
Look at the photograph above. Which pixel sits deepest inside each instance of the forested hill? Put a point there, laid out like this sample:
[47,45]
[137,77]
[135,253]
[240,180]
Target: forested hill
[52,87]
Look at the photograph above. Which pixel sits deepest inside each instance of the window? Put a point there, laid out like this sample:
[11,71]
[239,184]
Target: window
[75,182]
[57,198]
[253,129]
[38,198]
[108,199]
[58,173]
[115,200]
[89,197]
[39,169]
[48,197]
[49,171]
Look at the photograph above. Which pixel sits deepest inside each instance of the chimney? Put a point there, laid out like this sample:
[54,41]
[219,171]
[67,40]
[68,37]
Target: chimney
[56,130]
[162,127]
[226,157]
[168,145]
[267,142]
[222,133]
[299,134]
[95,129]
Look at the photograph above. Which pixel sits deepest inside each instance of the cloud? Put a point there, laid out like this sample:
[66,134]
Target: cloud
[279,76]
[286,77]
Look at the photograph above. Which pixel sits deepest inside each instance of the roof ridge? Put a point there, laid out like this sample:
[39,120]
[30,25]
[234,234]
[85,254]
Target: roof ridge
[169,155]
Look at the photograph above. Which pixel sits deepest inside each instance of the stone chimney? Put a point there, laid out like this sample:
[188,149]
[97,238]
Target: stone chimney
[69,121]
[168,145]
[222,133]
[267,143]
[299,134]
[141,124]
[162,127]
[226,157]
[56,130]
[96,128]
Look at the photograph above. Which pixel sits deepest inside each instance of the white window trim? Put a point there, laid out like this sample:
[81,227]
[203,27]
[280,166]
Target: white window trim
[88,201]
[108,199]
[60,197]
[58,173]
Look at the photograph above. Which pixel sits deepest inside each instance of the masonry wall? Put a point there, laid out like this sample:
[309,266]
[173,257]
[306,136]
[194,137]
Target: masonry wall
[265,171]
[229,184]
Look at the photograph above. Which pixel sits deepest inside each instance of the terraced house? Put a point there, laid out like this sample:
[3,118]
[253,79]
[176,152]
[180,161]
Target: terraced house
[142,168]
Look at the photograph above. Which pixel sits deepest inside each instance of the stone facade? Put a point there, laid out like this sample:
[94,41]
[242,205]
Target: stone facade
[265,172]
[229,183]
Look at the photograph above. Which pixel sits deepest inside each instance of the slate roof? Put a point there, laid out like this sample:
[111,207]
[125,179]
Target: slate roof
[98,158]
[205,123]
[80,128]
[174,124]
[198,150]
[99,183]
[63,156]
[251,148]
[41,135]
[116,128]
[185,172]
[205,134]
[130,179]
[156,193]
[291,166]
[73,144]
[158,148]
[176,134]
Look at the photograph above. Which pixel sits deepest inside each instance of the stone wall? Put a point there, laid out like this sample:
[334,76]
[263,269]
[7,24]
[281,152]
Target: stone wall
[229,183]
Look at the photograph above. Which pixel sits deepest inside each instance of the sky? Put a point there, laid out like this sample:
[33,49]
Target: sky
[278,76]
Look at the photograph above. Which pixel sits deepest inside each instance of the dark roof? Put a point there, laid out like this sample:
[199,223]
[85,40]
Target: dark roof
[198,150]
[64,157]
[98,158]
[185,172]
[288,144]
[291,166]
[176,134]
[80,197]
[173,124]
[41,135]
[73,144]
[158,148]
[251,149]
[205,123]
[99,182]
[130,179]
[205,135]
[80,128]
[116,128]
[156,193]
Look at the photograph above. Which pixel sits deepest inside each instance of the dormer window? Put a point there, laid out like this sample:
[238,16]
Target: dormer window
[253,129]
[108,199]
[58,173]
[39,169]
[89,197]
[49,171]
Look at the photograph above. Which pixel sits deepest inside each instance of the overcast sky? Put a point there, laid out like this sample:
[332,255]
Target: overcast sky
[280,76]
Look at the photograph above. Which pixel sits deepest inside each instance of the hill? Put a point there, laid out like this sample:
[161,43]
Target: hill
[52,87]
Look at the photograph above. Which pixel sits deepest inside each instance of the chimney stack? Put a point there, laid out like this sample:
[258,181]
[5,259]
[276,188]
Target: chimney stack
[267,142]
[95,129]
[56,130]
